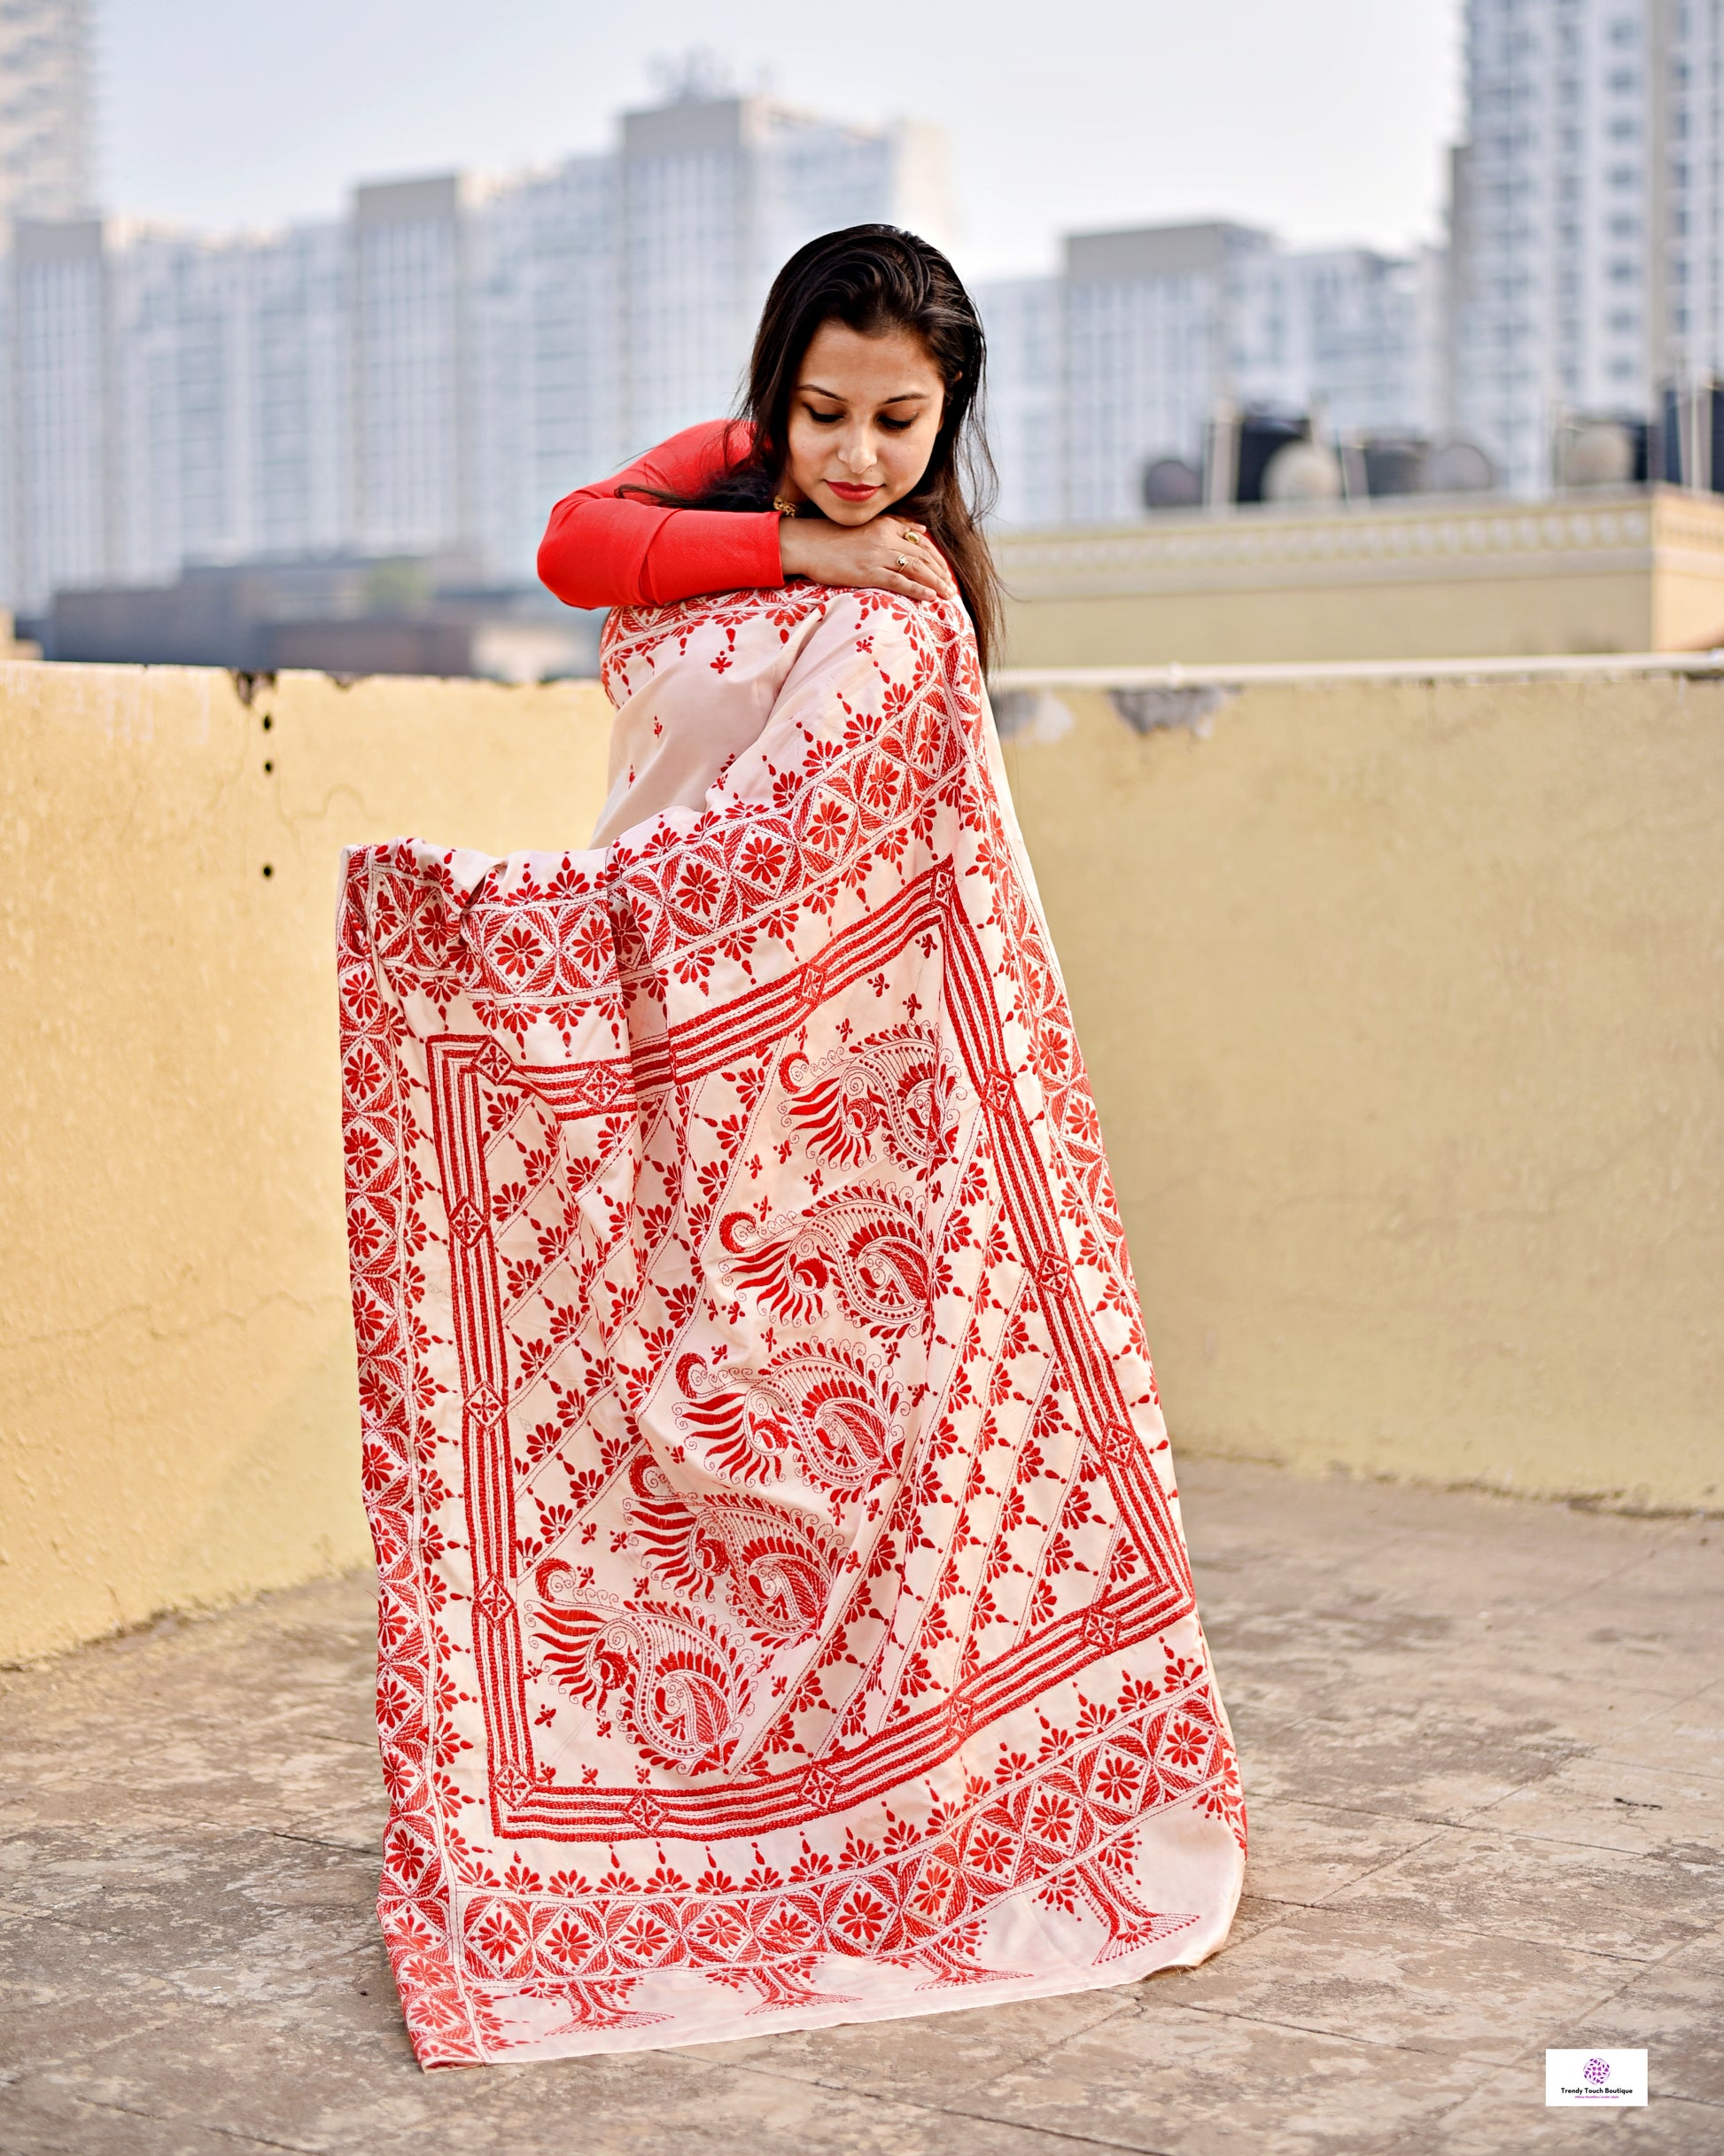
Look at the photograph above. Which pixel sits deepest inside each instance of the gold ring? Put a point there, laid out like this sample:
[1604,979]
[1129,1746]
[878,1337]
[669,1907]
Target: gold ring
[903,561]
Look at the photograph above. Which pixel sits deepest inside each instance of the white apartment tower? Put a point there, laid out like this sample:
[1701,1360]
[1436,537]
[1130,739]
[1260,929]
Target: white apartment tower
[1351,334]
[54,456]
[413,367]
[1122,359]
[60,449]
[547,356]
[229,398]
[1552,218]
[1686,122]
[426,377]
[716,194]
[1152,319]
[1587,215]
[45,109]
[1025,408]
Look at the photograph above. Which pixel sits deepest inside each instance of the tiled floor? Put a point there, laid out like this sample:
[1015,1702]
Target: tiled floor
[1484,1749]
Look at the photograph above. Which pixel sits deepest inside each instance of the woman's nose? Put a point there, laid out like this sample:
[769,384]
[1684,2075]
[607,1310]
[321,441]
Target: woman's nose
[859,453]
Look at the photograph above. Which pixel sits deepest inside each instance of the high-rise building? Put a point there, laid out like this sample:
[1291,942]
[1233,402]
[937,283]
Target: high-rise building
[298,392]
[716,194]
[1025,409]
[424,378]
[1588,216]
[1152,319]
[1687,121]
[1685,271]
[230,398]
[547,358]
[1552,222]
[46,165]
[56,439]
[413,332]
[1120,362]
[1344,331]
[61,451]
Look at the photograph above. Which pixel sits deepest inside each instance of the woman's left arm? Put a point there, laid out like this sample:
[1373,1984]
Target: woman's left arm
[608,546]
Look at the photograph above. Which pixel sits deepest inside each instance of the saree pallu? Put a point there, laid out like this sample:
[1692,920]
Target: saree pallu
[785,1613]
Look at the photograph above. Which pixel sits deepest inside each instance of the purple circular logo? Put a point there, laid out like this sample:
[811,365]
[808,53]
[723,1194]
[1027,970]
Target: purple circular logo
[1597,2071]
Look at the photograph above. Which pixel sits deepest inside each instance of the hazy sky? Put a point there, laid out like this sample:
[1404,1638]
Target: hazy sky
[1326,120]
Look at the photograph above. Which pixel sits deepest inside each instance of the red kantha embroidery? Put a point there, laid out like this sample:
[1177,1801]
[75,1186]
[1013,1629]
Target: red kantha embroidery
[784,1608]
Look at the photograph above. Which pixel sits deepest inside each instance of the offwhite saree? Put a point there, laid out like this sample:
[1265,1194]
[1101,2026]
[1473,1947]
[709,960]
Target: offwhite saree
[786,1618]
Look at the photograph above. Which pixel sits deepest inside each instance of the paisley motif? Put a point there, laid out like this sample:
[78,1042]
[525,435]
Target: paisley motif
[866,1248]
[828,1410]
[890,1092]
[777,1562]
[684,1675]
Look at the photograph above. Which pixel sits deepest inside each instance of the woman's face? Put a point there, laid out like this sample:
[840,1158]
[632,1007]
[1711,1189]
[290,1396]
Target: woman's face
[864,421]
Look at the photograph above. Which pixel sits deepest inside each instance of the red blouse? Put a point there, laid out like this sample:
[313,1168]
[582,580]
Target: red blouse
[603,550]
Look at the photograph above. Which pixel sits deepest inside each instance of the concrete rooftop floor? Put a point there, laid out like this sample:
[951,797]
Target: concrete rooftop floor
[1483,1746]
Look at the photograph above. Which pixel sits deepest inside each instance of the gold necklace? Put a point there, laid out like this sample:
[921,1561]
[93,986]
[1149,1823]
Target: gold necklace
[784,508]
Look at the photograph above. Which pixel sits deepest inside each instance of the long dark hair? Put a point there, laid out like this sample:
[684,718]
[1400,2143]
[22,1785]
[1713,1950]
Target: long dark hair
[875,278]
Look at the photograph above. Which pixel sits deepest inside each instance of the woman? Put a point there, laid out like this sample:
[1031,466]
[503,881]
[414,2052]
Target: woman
[848,471]
[786,1618]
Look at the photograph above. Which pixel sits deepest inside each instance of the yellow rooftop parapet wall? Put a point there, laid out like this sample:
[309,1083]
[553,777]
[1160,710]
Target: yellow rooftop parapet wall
[178,1417]
[1462,577]
[1404,1000]
[1403,1003]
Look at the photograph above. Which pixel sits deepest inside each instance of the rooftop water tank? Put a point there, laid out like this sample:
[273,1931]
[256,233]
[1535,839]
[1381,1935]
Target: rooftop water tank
[1303,472]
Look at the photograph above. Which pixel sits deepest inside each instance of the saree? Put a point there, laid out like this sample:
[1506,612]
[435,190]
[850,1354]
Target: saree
[785,1617]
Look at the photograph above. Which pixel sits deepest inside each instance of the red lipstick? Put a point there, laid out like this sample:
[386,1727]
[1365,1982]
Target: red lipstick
[850,492]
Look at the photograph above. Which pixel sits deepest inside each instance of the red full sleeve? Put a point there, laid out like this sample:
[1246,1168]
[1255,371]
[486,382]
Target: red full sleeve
[603,548]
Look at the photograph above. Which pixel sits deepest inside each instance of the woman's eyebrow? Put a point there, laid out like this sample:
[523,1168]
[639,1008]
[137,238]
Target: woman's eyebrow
[904,396]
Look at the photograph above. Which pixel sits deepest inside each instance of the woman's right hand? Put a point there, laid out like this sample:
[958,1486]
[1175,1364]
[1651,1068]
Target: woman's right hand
[886,553]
